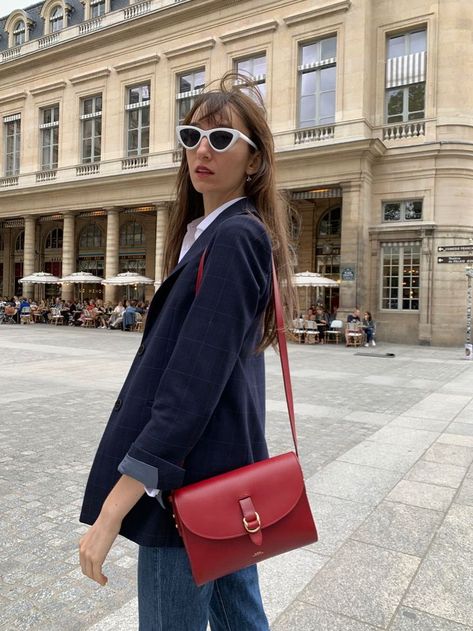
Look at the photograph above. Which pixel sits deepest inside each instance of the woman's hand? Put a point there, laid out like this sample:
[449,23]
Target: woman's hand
[95,544]
[94,547]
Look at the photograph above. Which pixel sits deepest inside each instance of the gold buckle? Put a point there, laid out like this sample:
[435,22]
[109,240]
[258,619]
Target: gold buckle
[252,530]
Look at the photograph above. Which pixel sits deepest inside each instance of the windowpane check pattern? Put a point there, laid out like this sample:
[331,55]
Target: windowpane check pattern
[12,135]
[137,111]
[405,76]
[317,82]
[255,69]
[91,129]
[401,277]
[49,128]
[189,85]
[410,210]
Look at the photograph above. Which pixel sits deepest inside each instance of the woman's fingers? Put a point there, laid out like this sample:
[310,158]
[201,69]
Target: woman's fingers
[93,549]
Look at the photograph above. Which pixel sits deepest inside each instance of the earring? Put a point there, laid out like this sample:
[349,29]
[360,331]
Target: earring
[248,178]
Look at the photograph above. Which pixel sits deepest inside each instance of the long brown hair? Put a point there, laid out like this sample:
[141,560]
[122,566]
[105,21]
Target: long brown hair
[237,93]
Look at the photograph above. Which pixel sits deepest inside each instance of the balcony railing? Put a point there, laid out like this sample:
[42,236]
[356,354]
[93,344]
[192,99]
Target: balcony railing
[137,9]
[46,176]
[13,180]
[48,40]
[314,134]
[90,25]
[88,169]
[11,53]
[139,162]
[401,131]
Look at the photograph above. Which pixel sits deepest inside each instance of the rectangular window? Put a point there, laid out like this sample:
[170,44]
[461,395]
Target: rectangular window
[91,129]
[401,275]
[137,109]
[189,86]
[317,79]
[12,135]
[405,76]
[49,133]
[255,69]
[410,210]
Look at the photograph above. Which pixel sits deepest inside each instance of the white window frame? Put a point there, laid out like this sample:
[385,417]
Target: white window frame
[315,67]
[50,131]
[188,96]
[403,210]
[14,119]
[258,80]
[17,31]
[94,116]
[140,106]
[395,291]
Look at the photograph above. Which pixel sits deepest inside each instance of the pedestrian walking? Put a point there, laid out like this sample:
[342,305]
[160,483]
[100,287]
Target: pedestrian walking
[193,403]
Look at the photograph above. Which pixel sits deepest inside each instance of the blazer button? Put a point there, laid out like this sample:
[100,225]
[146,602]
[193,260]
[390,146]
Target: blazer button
[141,349]
[118,404]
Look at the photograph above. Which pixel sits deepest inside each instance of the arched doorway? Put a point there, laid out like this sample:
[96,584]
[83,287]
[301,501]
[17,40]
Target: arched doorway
[91,258]
[133,254]
[53,259]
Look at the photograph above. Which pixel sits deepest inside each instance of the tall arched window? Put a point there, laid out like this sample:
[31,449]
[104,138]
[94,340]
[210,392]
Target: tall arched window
[132,234]
[20,242]
[91,237]
[19,33]
[54,239]
[330,224]
[56,20]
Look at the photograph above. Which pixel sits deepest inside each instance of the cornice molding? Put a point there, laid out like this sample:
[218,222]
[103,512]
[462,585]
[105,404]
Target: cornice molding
[306,16]
[19,96]
[58,85]
[87,76]
[137,63]
[204,44]
[256,29]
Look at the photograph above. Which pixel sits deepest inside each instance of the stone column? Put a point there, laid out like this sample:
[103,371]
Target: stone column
[68,253]
[354,253]
[162,218]
[111,254]
[29,254]
[7,263]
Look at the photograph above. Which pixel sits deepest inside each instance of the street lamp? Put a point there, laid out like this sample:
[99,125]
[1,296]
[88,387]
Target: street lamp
[468,343]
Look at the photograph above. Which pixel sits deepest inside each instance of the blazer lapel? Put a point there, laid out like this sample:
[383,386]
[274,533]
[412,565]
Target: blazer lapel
[239,207]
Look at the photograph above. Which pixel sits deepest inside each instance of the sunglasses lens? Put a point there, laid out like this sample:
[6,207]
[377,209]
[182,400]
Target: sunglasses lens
[189,137]
[221,139]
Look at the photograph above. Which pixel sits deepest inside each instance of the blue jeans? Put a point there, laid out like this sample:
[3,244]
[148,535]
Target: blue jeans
[169,600]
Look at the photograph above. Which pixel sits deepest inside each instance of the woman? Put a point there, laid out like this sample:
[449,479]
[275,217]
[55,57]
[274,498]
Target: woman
[192,405]
[369,328]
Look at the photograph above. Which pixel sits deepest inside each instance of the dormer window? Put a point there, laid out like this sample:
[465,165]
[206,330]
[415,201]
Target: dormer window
[56,20]
[97,8]
[19,33]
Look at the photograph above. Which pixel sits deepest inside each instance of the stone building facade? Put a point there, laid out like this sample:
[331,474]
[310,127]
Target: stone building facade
[370,103]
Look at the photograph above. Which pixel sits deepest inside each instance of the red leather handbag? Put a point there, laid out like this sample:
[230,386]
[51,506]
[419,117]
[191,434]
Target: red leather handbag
[238,518]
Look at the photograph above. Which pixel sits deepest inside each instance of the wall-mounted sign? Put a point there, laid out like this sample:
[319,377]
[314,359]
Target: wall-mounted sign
[455,248]
[348,273]
[454,259]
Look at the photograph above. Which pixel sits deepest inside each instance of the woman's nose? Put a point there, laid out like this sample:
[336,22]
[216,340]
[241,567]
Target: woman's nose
[204,147]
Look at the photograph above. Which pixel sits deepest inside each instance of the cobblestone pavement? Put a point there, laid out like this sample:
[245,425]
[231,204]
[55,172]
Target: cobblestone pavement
[386,446]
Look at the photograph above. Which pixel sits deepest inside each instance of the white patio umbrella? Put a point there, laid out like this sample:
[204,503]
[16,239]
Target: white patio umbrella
[128,279]
[81,278]
[42,278]
[312,279]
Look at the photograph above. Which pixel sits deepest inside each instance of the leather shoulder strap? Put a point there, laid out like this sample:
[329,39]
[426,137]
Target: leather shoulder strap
[282,344]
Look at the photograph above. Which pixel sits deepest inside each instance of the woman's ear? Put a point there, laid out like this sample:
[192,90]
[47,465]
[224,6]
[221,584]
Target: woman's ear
[254,163]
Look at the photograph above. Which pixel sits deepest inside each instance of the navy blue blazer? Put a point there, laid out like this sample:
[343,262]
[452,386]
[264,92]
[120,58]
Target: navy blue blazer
[193,403]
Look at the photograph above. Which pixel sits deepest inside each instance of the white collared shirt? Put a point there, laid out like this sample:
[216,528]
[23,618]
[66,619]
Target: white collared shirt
[196,227]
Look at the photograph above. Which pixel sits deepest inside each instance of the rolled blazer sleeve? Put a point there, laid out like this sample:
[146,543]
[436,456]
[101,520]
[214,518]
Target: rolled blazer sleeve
[233,293]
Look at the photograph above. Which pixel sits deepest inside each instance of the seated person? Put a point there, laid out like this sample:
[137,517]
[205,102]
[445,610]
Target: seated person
[369,328]
[354,316]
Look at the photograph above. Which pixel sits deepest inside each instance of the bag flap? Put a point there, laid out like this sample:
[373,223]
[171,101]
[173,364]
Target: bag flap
[211,508]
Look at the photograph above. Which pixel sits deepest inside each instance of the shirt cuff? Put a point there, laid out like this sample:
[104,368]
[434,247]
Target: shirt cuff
[157,493]
[145,473]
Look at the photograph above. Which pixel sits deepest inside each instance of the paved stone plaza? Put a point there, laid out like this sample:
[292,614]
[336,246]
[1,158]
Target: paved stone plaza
[387,449]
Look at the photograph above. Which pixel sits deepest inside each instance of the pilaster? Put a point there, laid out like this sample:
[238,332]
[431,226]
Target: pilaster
[112,251]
